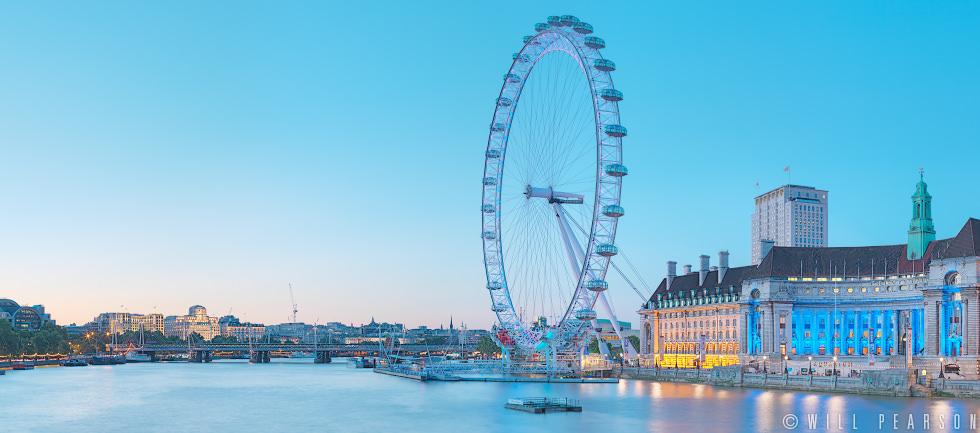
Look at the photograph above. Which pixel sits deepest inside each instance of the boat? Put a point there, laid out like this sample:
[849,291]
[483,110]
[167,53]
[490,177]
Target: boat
[278,354]
[359,362]
[108,359]
[134,356]
[74,362]
[301,355]
[22,366]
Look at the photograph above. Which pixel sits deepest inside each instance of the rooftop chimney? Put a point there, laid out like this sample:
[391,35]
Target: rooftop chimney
[687,269]
[704,269]
[671,273]
[722,265]
[766,246]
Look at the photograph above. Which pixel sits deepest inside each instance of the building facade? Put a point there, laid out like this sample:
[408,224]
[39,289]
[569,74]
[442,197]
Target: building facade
[789,216]
[196,320]
[23,317]
[854,308]
[122,322]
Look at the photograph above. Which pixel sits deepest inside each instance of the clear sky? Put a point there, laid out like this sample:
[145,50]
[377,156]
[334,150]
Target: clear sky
[157,155]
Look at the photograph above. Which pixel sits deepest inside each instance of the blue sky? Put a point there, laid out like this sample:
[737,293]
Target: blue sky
[157,156]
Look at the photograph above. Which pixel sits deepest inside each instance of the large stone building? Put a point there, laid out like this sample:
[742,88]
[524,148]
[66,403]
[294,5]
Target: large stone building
[122,322]
[789,216]
[809,307]
[196,320]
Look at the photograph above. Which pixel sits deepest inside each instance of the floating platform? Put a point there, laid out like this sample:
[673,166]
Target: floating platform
[543,405]
[421,377]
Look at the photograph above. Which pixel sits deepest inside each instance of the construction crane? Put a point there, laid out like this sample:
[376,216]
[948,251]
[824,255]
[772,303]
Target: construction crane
[293,300]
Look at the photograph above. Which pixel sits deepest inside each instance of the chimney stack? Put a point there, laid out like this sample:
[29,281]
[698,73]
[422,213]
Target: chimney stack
[671,273]
[703,272]
[687,269]
[766,246]
[722,265]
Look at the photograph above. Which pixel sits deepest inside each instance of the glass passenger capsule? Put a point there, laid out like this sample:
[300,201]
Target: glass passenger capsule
[493,154]
[493,181]
[497,127]
[498,308]
[488,208]
[604,65]
[512,78]
[489,236]
[597,285]
[583,28]
[503,102]
[612,210]
[616,170]
[554,20]
[612,95]
[521,58]
[615,130]
[595,43]
[606,250]
[585,315]
[568,20]
[540,27]
[494,285]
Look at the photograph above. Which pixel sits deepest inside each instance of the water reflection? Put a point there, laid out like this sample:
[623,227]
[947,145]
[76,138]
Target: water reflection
[291,396]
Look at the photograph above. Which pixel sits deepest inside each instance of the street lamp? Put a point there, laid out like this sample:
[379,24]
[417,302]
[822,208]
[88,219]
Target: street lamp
[942,367]
[765,364]
[785,362]
[809,368]
[835,365]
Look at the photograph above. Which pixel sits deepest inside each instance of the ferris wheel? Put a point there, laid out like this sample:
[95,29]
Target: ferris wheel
[549,218]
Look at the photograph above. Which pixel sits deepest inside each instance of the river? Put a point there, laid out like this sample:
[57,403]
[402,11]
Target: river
[298,396]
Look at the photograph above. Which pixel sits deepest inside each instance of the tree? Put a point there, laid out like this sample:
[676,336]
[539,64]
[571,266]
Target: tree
[435,341]
[635,341]
[486,346]
[594,345]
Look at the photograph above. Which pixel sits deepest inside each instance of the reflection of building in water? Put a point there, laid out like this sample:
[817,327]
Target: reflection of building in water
[819,302]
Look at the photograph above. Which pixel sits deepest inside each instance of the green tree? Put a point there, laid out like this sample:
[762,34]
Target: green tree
[594,345]
[486,346]
[635,341]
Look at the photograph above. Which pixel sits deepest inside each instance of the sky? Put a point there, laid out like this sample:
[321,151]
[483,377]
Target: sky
[154,156]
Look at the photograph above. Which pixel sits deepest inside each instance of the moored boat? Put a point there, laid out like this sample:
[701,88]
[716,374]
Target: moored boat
[22,366]
[133,356]
[359,362]
[74,362]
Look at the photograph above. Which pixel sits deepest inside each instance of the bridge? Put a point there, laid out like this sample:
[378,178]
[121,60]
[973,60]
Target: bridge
[261,352]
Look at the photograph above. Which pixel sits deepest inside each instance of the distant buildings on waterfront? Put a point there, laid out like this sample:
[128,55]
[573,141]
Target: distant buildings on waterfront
[23,317]
[871,307]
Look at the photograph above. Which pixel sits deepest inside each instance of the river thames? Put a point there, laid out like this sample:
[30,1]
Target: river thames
[296,395]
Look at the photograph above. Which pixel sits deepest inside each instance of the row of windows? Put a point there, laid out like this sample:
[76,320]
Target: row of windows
[714,335]
[697,324]
[710,348]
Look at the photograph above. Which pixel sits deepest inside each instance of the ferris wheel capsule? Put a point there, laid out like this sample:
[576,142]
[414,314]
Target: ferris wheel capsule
[616,170]
[585,315]
[605,65]
[489,236]
[611,95]
[497,127]
[597,285]
[606,250]
[488,208]
[493,154]
[613,211]
[615,130]
[583,28]
[521,58]
[512,78]
[554,20]
[494,285]
[489,181]
[595,43]
[567,20]
[503,102]
[540,27]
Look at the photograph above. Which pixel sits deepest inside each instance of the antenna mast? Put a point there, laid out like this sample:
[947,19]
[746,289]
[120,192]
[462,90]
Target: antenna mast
[293,301]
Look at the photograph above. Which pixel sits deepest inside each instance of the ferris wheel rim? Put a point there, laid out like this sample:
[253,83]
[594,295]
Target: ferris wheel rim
[608,183]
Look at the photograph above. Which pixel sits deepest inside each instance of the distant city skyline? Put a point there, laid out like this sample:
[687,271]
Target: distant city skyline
[154,159]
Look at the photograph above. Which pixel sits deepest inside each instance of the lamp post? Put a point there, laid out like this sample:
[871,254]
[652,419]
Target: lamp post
[835,365]
[942,367]
[785,364]
[809,367]
[765,364]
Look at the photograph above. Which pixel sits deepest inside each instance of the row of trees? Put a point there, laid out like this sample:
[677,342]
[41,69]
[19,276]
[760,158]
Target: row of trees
[50,338]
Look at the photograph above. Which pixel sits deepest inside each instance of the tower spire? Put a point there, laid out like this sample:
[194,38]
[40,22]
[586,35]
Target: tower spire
[921,229]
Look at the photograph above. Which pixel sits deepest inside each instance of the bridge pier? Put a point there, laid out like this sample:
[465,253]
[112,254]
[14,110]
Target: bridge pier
[322,357]
[200,356]
[259,356]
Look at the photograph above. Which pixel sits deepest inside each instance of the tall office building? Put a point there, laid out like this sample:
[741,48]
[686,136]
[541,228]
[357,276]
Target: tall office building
[789,216]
